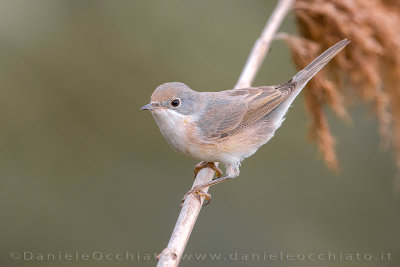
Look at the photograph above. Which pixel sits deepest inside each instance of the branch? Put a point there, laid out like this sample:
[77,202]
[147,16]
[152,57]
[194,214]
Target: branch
[262,45]
[172,254]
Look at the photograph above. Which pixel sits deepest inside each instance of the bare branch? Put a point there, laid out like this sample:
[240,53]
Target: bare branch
[262,45]
[171,255]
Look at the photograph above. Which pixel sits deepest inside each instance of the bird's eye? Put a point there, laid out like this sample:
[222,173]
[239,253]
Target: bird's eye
[175,103]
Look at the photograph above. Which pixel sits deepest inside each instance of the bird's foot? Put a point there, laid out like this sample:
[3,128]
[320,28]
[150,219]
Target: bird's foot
[198,192]
[205,164]
[198,189]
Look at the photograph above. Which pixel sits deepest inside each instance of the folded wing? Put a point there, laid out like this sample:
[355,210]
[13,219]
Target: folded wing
[245,107]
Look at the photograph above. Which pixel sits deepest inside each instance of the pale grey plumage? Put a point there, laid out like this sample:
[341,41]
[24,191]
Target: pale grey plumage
[228,126]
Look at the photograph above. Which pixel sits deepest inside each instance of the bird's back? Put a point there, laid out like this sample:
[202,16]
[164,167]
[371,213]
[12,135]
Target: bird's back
[233,111]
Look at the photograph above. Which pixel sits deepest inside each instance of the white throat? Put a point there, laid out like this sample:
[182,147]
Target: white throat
[172,127]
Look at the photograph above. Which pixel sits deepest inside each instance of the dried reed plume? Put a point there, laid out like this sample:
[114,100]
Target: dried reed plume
[370,64]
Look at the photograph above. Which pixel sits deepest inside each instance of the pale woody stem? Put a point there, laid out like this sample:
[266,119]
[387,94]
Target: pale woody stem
[172,254]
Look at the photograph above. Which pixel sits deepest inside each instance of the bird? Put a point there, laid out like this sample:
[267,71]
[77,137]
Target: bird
[227,126]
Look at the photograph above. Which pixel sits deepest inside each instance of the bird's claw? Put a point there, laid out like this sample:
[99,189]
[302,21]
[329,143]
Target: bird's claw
[205,164]
[198,193]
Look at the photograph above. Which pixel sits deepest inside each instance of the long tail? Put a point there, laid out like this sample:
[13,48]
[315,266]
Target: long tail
[303,76]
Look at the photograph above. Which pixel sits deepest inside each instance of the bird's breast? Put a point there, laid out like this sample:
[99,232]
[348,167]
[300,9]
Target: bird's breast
[181,133]
[174,127]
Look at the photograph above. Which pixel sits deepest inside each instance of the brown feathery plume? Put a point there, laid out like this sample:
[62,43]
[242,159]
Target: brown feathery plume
[320,91]
[370,64]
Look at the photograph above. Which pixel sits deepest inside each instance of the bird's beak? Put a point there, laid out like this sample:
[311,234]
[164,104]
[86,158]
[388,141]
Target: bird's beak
[150,106]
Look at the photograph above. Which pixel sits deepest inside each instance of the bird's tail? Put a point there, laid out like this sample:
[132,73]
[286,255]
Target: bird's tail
[303,76]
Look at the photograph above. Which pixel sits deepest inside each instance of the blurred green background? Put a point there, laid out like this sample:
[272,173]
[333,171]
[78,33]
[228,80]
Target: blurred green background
[83,169]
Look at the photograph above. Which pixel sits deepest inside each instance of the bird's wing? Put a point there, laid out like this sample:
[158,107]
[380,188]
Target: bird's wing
[259,105]
[221,116]
[244,107]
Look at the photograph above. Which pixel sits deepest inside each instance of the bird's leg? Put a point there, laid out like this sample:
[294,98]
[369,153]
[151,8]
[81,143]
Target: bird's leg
[198,189]
[205,164]
[198,193]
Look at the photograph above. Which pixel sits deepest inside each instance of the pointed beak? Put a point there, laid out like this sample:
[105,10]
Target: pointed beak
[151,106]
[148,107]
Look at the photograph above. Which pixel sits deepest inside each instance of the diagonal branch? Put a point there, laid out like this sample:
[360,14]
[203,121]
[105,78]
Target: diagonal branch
[262,45]
[172,254]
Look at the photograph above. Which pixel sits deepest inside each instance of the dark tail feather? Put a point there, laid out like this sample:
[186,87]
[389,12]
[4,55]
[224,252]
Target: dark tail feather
[303,76]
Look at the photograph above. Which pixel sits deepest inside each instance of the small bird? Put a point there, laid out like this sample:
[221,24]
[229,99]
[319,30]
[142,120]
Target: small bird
[227,126]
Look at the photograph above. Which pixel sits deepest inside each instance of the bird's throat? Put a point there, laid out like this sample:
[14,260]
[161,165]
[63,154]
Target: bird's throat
[173,127]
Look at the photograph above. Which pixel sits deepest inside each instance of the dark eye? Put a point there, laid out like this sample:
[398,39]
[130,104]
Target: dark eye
[175,103]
